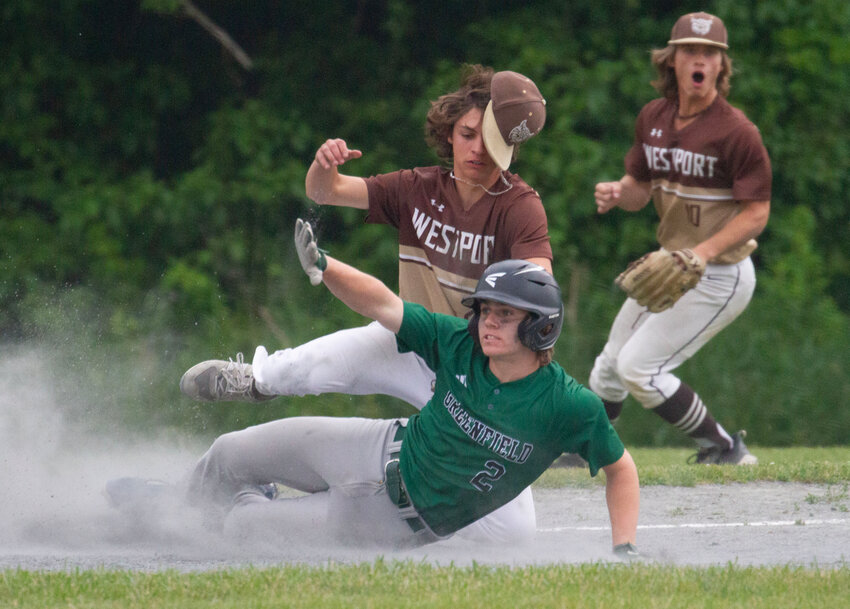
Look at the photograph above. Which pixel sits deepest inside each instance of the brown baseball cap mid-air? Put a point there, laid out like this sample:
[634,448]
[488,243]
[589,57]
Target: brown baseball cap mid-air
[516,111]
[699,28]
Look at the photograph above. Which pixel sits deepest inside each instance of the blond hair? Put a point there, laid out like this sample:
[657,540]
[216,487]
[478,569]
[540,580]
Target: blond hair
[667,84]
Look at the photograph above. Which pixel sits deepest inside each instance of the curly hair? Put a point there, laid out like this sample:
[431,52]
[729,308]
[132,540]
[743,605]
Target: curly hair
[446,110]
[666,83]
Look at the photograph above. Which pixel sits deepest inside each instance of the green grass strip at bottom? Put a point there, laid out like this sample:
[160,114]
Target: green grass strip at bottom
[397,585]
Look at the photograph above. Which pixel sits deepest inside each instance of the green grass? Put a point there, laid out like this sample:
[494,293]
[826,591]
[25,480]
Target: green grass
[668,466]
[397,585]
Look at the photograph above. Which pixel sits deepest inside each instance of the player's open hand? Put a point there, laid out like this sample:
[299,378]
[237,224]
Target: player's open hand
[335,152]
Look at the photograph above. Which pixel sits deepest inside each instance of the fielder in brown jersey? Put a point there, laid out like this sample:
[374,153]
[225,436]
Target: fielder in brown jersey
[443,245]
[453,222]
[703,164]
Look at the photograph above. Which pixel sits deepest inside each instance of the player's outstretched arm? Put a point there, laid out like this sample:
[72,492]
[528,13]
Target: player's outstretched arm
[361,292]
[364,294]
[327,186]
[622,492]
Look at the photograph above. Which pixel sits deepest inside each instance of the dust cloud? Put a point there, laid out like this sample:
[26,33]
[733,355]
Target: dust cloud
[58,450]
[60,442]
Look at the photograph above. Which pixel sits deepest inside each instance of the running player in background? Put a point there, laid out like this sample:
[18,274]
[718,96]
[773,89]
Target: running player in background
[452,223]
[703,164]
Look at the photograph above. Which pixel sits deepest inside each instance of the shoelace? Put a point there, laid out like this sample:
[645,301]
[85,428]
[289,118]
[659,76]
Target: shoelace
[702,454]
[233,378]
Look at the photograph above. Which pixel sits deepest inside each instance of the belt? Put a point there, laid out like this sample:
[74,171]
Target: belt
[395,485]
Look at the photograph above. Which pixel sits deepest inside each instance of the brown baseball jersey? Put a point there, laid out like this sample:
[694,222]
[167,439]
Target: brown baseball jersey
[444,249]
[700,173]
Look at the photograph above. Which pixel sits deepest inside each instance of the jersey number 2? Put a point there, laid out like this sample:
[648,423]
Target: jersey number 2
[483,480]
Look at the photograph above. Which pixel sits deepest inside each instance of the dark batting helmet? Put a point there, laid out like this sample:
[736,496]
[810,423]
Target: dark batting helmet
[526,286]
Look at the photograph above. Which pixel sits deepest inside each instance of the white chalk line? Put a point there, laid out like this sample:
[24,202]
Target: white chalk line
[711,525]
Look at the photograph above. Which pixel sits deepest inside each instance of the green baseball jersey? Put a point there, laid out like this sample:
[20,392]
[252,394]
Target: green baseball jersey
[479,442]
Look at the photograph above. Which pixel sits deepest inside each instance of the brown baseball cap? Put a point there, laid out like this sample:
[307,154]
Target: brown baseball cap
[699,28]
[516,111]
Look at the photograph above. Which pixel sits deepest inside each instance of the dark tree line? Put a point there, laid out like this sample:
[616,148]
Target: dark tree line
[152,162]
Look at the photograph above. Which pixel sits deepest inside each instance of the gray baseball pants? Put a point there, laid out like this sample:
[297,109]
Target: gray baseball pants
[336,463]
[366,360]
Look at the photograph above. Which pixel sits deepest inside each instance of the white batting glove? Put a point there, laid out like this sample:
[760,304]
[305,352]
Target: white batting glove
[312,259]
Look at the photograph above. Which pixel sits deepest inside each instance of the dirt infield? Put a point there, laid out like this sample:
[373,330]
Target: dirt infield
[755,524]
[747,524]
[53,469]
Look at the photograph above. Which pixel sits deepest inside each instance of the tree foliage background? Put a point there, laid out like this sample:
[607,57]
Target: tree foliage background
[149,183]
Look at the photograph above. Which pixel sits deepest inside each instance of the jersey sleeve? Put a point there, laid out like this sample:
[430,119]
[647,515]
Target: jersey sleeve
[384,198]
[423,333]
[635,161]
[751,171]
[529,232]
[589,433]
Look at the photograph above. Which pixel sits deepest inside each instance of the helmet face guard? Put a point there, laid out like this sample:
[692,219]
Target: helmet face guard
[526,286]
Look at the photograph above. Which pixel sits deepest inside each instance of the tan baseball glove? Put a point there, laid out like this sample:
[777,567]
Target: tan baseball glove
[658,279]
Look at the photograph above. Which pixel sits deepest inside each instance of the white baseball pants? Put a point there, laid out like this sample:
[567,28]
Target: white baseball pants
[644,348]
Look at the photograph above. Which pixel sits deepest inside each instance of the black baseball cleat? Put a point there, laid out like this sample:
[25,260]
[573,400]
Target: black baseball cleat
[737,455]
[131,492]
[626,551]
[269,490]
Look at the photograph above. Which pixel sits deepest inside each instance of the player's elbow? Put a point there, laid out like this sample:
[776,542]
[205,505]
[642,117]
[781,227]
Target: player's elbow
[622,478]
[762,213]
[319,196]
[390,315]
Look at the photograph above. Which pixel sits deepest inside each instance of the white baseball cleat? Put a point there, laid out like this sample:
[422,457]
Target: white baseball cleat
[217,380]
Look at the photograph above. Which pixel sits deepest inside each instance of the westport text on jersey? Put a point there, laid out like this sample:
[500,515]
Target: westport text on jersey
[448,240]
[680,161]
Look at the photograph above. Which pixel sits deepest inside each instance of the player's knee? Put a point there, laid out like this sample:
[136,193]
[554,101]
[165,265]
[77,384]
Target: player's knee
[603,370]
[224,446]
[501,528]
[634,378]
[593,380]
[522,533]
